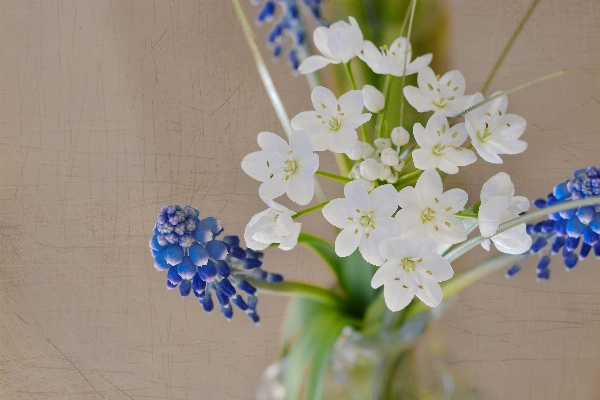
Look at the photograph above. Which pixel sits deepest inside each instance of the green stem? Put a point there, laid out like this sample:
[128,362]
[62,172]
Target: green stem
[465,246]
[363,127]
[410,175]
[523,86]
[462,215]
[310,209]
[387,90]
[335,177]
[508,46]
[300,289]
[412,15]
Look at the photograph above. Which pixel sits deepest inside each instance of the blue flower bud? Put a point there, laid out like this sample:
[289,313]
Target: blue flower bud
[186,269]
[221,297]
[539,203]
[537,228]
[589,236]
[275,34]
[159,262]
[558,243]
[223,269]
[227,287]
[227,311]
[173,276]
[259,274]
[254,317]
[595,223]
[253,254]
[208,272]
[174,254]
[571,244]
[293,59]
[171,237]
[161,218]
[176,218]
[190,224]
[543,274]
[584,251]
[548,226]
[232,240]
[213,224]
[513,271]
[179,229]
[568,214]
[586,214]
[538,244]
[237,252]
[274,278]
[186,241]
[543,264]
[155,243]
[560,227]
[252,302]
[198,285]
[251,263]
[170,285]
[217,249]
[575,228]
[239,302]
[202,233]
[529,229]
[266,14]
[191,212]
[198,255]
[207,302]
[597,250]
[197,294]
[246,287]
[185,288]
[570,261]
[561,191]
[277,52]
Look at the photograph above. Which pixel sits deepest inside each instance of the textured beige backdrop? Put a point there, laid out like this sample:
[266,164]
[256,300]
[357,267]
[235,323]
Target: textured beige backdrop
[111,109]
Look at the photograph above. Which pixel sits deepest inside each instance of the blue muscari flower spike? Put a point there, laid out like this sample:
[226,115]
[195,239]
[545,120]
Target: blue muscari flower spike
[566,231]
[199,263]
[287,26]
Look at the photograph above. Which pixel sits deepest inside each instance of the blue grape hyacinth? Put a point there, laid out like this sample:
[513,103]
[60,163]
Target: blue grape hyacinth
[287,27]
[187,248]
[567,231]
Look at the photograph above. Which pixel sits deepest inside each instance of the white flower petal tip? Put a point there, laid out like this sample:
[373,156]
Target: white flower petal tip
[411,268]
[492,131]
[391,60]
[332,126]
[443,94]
[365,220]
[428,211]
[284,168]
[274,225]
[374,99]
[440,145]
[498,205]
[337,43]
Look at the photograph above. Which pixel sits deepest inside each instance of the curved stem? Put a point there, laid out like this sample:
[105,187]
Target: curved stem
[412,15]
[310,209]
[335,177]
[300,289]
[464,215]
[363,127]
[506,49]
[465,246]
[387,90]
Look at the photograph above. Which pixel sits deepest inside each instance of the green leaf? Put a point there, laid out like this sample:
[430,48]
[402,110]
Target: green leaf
[300,289]
[324,250]
[299,314]
[374,317]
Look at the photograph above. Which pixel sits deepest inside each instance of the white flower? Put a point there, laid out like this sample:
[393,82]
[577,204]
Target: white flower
[494,132]
[391,61]
[429,211]
[412,268]
[445,94]
[274,225]
[440,145]
[400,136]
[338,43]
[365,220]
[374,100]
[498,205]
[333,125]
[370,169]
[284,168]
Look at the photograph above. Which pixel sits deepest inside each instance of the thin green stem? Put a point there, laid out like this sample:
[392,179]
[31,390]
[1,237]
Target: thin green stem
[310,209]
[335,177]
[363,127]
[410,175]
[463,215]
[412,15]
[387,90]
[300,289]
[523,86]
[508,46]
[404,22]
[465,246]
[262,69]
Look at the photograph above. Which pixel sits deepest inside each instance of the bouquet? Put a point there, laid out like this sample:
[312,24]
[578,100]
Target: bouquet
[399,228]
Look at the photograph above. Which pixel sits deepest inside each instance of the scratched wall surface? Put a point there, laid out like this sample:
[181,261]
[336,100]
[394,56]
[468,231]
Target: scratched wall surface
[112,109]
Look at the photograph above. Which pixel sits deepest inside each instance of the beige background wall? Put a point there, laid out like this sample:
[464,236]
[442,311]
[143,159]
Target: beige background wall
[112,109]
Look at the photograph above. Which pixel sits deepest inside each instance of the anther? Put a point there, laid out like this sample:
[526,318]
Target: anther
[323,105]
[448,209]
[421,287]
[436,228]
[447,223]
[429,272]
[355,231]
[429,86]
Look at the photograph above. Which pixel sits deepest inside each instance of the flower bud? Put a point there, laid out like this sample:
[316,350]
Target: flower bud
[357,151]
[370,169]
[389,157]
[368,151]
[354,172]
[367,184]
[374,100]
[398,167]
[393,178]
[385,172]
[400,136]
[383,143]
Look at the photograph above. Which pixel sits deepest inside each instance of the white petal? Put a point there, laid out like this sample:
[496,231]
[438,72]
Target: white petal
[314,63]
[300,144]
[384,200]
[290,241]
[409,197]
[357,196]
[320,39]
[309,122]
[386,227]
[498,185]
[355,121]
[274,187]
[454,198]
[369,249]
[424,159]
[386,273]
[417,99]
[373,98]
[338,213]
[457,79]
[455,233]
[420,246]
[342,141]
[431,294]
[322,96]
[519,204]
[301,188]
[429,186]
[347,241]
[393,248]
[352,102]
[490,214]
[398,297]
[440,269]
[425,78]
[513,241]
[255,165]
[308,165]
[418,64]
[460,157]
[411,222]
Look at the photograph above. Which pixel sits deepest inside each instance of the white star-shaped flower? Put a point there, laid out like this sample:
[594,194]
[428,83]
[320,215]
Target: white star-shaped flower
[337,43]
[412,268]
[498,205]
[274,225]
[365,220]
[333,125]
[435,93]
[284,168]
[440,145]
[429,211]
[494,132]
[391,60]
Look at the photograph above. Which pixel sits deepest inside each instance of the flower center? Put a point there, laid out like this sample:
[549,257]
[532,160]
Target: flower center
[365,221]
[334,124]
[438,149]
[290,166]
[408,264]
[427,215]
[482,135]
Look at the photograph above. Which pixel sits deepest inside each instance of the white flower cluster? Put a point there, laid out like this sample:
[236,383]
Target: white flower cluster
[393,225]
